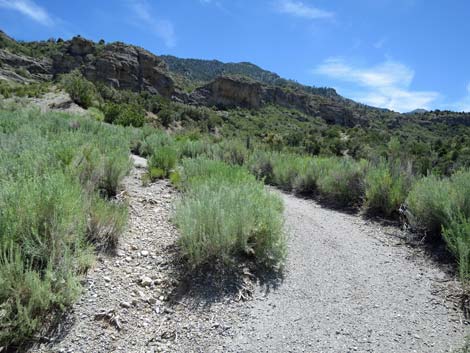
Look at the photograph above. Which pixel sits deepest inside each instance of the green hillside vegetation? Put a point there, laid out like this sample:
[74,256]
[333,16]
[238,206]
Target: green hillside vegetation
[191,73]
[61,174]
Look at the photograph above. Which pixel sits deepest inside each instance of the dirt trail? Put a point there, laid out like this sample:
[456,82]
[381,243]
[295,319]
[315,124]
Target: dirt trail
[130,302]
[350,288]
[347,287]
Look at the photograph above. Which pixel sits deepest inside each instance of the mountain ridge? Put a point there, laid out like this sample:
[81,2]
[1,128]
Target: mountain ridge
[193,81]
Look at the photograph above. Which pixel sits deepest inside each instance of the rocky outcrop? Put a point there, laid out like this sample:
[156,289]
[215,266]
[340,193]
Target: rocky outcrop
[333,113]
[117,64]
[448,118]
[120,65]
[21,68]
[228,92]
[129,67]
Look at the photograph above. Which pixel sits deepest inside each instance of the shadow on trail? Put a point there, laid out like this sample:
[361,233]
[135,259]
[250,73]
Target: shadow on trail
[214,283]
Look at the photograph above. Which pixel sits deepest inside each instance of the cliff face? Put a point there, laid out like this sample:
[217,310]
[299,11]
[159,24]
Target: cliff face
[120,65]
[229,92]
[129,67]
[132,68]
[14,67]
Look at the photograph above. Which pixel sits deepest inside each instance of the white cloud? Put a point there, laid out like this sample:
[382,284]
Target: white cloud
[162,28]
[29,9]
[380,43]
[385,85]
[300,9]
[463,105]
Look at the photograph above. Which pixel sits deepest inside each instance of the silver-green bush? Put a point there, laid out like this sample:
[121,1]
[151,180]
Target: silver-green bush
[225,213]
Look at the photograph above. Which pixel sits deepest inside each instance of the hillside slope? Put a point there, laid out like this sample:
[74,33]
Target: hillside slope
[212,83]
[200,72]
[198,82]
[194,81]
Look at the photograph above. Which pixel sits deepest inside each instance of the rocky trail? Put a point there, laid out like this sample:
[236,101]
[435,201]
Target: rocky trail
[349,286]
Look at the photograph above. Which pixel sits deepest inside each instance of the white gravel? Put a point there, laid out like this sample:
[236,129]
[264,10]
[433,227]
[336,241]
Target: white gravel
[351,286]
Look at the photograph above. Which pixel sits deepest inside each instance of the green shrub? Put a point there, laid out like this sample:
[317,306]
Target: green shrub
[286,168]
[384,191]
[42,224]
[461,184]
[163,158]
[175,178]
[88,167]
[232,152]
[192,149]
[306,181]
[44,215]
[111,112]
[36,89]
[342,183]
[96,114]
[81,91]
[155,173]
[106,223]
[131,115]
[26,294]
[155,141]
[115,168]
[457,237]
[261,165]
[52,165]
[167,116]
[97,171]
[124,114]
[226,213]
[430,204]
[201,170]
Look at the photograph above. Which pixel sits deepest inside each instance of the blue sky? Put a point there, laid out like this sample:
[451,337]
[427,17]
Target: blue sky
[397,54]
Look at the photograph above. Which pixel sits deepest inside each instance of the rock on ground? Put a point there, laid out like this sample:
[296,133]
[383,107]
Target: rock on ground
[133,301]
[348,286]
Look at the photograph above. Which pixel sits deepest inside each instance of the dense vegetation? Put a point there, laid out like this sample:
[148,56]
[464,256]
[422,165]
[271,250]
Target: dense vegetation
[195,72]
[435,206]
[59,174]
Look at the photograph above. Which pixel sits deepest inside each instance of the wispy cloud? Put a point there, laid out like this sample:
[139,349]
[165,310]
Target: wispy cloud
[463,105]
[162,28]
[215,3]
[385,85]
[380,43]
[301,9]
[30,9]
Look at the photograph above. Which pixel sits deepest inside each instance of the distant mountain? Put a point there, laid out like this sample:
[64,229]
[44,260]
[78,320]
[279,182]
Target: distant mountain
[193,81]
[418,111]
[206,70]
[198,72]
